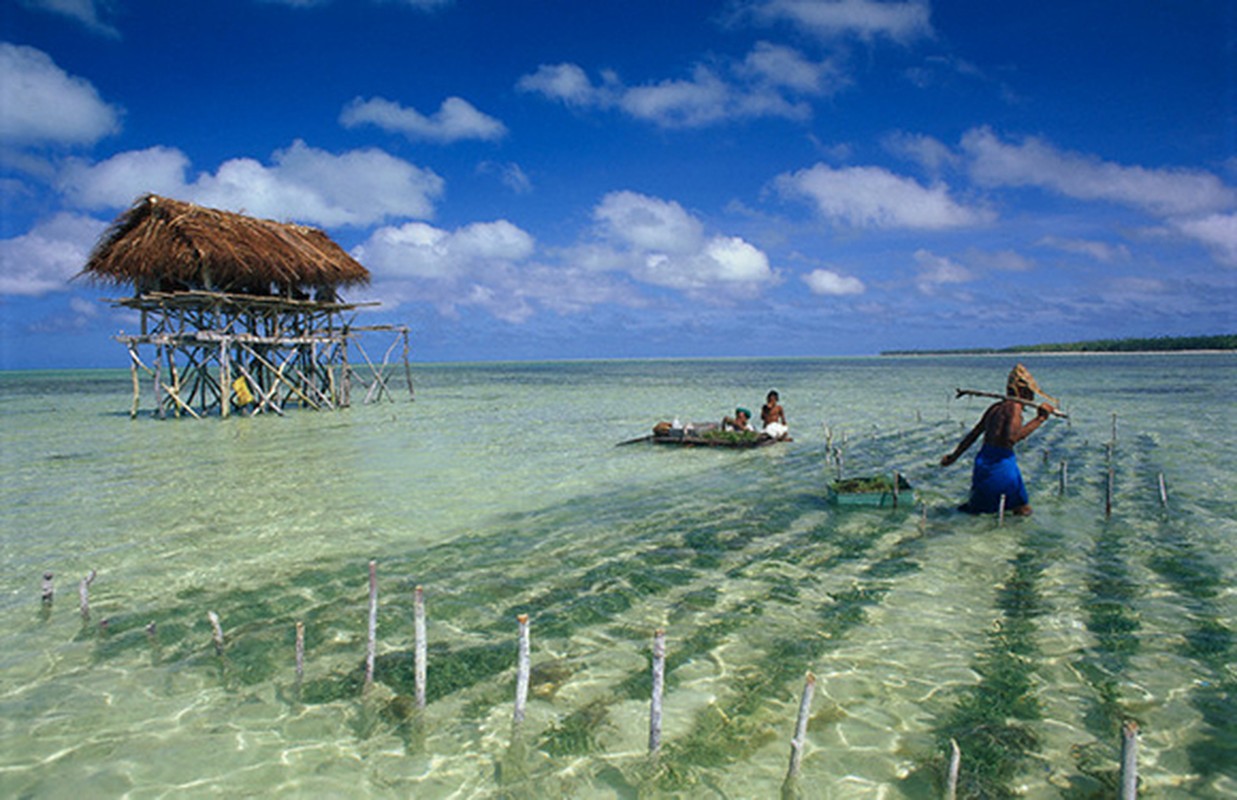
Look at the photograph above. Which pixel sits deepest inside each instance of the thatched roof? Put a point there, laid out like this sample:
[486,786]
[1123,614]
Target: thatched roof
[170,245]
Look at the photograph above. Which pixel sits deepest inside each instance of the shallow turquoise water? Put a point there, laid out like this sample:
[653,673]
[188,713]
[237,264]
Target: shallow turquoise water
[500,491]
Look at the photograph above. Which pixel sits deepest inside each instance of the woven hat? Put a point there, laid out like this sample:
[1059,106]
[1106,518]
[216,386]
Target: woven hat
[1020,377]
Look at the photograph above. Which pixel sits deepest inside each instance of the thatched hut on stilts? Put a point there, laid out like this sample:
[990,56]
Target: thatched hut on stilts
[238,313]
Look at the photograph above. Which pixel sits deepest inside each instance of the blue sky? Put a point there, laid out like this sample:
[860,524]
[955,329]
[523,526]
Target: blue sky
[575,179]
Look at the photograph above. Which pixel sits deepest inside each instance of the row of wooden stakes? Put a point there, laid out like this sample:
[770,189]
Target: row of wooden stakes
[1129,747]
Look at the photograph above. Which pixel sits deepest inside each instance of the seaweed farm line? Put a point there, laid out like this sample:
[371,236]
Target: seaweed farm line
[184,609]
[408,713]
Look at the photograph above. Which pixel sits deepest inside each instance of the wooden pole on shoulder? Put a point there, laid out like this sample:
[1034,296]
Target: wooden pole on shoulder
[1019,400]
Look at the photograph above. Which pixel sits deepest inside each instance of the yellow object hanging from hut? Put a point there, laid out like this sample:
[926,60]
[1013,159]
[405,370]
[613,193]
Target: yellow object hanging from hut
[243,396]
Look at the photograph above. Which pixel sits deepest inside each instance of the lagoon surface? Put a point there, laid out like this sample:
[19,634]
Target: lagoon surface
[500,491]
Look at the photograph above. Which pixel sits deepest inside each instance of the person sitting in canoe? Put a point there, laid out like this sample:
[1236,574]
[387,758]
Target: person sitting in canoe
[773,417]
[741,421]
[996,470]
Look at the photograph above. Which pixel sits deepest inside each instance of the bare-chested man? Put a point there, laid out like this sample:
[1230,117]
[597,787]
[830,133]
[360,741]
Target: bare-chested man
[996,470]
[773,417]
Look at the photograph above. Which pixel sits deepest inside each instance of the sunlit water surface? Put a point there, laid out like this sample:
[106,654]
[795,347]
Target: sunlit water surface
[500,490]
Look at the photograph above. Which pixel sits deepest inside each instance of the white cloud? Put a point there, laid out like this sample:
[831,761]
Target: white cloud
[567,83]
[647,224]
[511,175]
[455,120]
[124,177]
[827,282]
[866,19]
[42,104]
[418,250]
[1002,260]
[1218,232]
[872,197]
[44,259]
[484,264]
[765,84]
[658,242]
[779,66]
[85,12]
[702,100]
[1034,162]
[936,271]
[1103,252]
[355,188]
[929,153]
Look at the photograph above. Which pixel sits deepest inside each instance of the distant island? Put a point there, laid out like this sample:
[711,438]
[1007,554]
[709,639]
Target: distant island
[1152,345]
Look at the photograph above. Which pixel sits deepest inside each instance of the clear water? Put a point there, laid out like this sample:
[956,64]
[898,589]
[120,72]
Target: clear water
[500,490]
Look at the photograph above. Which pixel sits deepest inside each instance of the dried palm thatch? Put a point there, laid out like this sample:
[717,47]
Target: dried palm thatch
[168,245]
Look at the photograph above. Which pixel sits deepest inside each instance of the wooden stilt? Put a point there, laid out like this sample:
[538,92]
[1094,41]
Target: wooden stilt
[134,361]
[1064,479]
[160,409]
[1163,491]
[225,379]
[1000,514]
[412,395]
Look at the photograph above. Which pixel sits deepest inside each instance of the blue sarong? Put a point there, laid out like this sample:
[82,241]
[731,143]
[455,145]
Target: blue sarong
[996,473]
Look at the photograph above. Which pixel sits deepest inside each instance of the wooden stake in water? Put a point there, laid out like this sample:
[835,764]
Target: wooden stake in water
[1129,760]
[797,743]
[419,645]
[955,762]
[896,478]
[218,631]
[1000,512]
[1064,476]
[1163,492]
[83,594]
[522,672]
[1108,493]
[659,682]
[1114,428]
[372,647]
[49,590]
[300,651]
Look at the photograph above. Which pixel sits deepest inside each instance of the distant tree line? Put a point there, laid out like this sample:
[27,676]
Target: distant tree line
[1153,345]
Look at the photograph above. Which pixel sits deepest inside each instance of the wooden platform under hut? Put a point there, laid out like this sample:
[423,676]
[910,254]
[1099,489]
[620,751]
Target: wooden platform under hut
[240,314]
